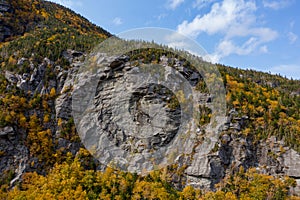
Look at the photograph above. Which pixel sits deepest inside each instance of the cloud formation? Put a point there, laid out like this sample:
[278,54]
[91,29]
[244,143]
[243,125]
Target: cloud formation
[173,4]
[234,20]
[117,21]
[276,5]
[288,70]
[292,37]
[202,3]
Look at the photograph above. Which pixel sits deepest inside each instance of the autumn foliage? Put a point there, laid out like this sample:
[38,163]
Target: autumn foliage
[69,180]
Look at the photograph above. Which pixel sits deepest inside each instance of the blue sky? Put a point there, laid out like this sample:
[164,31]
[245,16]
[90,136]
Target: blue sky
[262,35]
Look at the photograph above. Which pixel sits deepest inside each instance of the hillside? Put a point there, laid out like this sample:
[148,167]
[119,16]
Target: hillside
[43,45]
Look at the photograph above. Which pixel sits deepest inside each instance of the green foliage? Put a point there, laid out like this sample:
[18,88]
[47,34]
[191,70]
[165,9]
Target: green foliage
[28,15]
[68,130]
[69,180]
[11,109]
[45,30]
[252,185]
[205,115]
[271,110]
[40,29]
[6,177]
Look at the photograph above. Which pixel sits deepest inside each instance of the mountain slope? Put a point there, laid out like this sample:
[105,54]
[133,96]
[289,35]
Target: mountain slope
[36,56]
[25,16]
[43,46]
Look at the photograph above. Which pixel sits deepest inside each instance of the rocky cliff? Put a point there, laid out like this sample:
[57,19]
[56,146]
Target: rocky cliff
[232,150]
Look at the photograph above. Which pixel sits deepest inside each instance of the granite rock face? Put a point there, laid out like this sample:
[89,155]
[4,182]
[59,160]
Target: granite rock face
[270,157]
[156,116]
[14,154]
[206,167]
[130,116]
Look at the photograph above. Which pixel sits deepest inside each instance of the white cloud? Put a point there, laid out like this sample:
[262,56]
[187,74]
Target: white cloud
[213,58]
[292,37]
[289,70]
[202,3]
[68,3]
[232,19]
[276,5]
[177,41]
[117,21]
[173,4]
[229,13]
[181,42]
[264,49]
[161,16]
[228,47]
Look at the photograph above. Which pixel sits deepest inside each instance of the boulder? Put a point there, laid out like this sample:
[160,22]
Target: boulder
[12,78]
[6,131]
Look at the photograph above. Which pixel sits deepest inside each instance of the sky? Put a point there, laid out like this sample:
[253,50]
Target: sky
[263,35]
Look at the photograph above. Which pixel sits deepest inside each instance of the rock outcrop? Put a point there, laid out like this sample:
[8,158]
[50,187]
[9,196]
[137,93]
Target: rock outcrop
[205,166]
[14,154]
[270,157]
